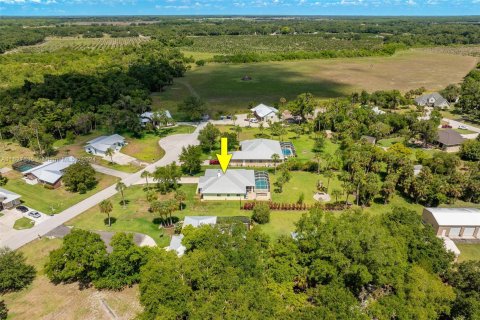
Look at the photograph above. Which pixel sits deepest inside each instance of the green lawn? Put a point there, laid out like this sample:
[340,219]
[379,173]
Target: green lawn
[147,149]
[23,223]
[53,201]
[469,252]
[136,218]
[389,142]
[464,131]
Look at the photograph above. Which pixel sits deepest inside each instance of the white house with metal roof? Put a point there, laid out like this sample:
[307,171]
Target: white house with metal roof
[176,245]
[8,199]
[50,172]
[198,221]
[455,223]
[235,184]
[264,113]
[259,152]
[100,145]
[151,117]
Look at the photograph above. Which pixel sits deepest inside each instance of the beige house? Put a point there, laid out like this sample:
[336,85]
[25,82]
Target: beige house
[454,223]
[235,184]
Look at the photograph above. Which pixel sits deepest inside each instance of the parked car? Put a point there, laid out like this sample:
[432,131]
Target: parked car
[22,209]
[34,214]
[445,126]
[222,117]
[253,120]
[229,117]
[463,127]
[214,161]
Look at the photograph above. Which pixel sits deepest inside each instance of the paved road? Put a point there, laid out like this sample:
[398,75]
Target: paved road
[110,172]
[455,124]
[173,147]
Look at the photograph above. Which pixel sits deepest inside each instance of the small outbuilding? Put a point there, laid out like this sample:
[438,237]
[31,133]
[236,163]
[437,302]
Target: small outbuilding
[264,113]
[454,223]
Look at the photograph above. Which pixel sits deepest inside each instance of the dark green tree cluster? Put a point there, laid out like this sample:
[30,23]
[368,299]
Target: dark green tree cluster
[83,258]
[80,177]
[469,102]
[15,273]
[352,266]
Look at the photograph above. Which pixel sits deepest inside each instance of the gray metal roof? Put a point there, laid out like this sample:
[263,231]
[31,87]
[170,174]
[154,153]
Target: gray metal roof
[258,149]
[456,216]
[197,221]
[149,114]
[449,137]
[102,143]
[439,100]
[51,171]
[234,181]
[7,196]
[263,110]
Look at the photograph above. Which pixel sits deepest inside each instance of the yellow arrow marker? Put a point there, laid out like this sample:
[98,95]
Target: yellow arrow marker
[224,157]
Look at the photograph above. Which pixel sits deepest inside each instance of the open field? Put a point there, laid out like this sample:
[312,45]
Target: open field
[78,43]
[65,301]
[221,85]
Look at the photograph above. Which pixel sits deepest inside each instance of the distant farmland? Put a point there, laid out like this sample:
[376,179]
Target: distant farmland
[78,43]
[220,85]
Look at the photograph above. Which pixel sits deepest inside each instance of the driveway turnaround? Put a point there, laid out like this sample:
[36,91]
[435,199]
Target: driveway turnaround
[173,147]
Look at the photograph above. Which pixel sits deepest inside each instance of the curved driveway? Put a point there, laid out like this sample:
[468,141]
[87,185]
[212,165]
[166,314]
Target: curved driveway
[173,147]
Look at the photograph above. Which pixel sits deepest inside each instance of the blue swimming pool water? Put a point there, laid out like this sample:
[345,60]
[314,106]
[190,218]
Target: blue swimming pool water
[25,167]
[287,152]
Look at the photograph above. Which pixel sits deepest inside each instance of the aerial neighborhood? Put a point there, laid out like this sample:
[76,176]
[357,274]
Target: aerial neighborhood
[227,167]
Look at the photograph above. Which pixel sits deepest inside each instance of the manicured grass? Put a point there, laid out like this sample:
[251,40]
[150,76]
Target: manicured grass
[23,223]
[220,85]
[129,168]
[136,218]
[147,148]
[53,201]
[469,252]
[387,143]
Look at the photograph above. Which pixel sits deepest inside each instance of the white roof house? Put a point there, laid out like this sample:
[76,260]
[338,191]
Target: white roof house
[258,149]
[51,171]
[147,117]
[234,181]
[8,199]
[378,111]
[264,112]
[103,143]
[454,222]
[176,245]
[198,221]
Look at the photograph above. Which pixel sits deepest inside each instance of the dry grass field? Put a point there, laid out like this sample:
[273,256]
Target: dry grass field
[221,85]
[44,300]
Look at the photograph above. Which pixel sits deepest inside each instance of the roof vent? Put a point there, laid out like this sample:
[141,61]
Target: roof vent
[219,173]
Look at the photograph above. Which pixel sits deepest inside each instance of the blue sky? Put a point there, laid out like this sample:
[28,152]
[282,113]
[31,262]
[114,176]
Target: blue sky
[242,7]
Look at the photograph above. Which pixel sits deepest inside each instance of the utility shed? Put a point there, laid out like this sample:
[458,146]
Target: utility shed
[455,223]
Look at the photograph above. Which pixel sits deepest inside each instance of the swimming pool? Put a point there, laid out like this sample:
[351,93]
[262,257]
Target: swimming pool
[287,152]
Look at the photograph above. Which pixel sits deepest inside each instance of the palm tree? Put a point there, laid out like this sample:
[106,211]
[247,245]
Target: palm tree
[180,196]
[329,175]
[234,119]
[106,207]
[261,128]
[120,187]
[109,153]
[275,159]
[238,130]
[336,193]
[249,116]
[146,174]
[318,157]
